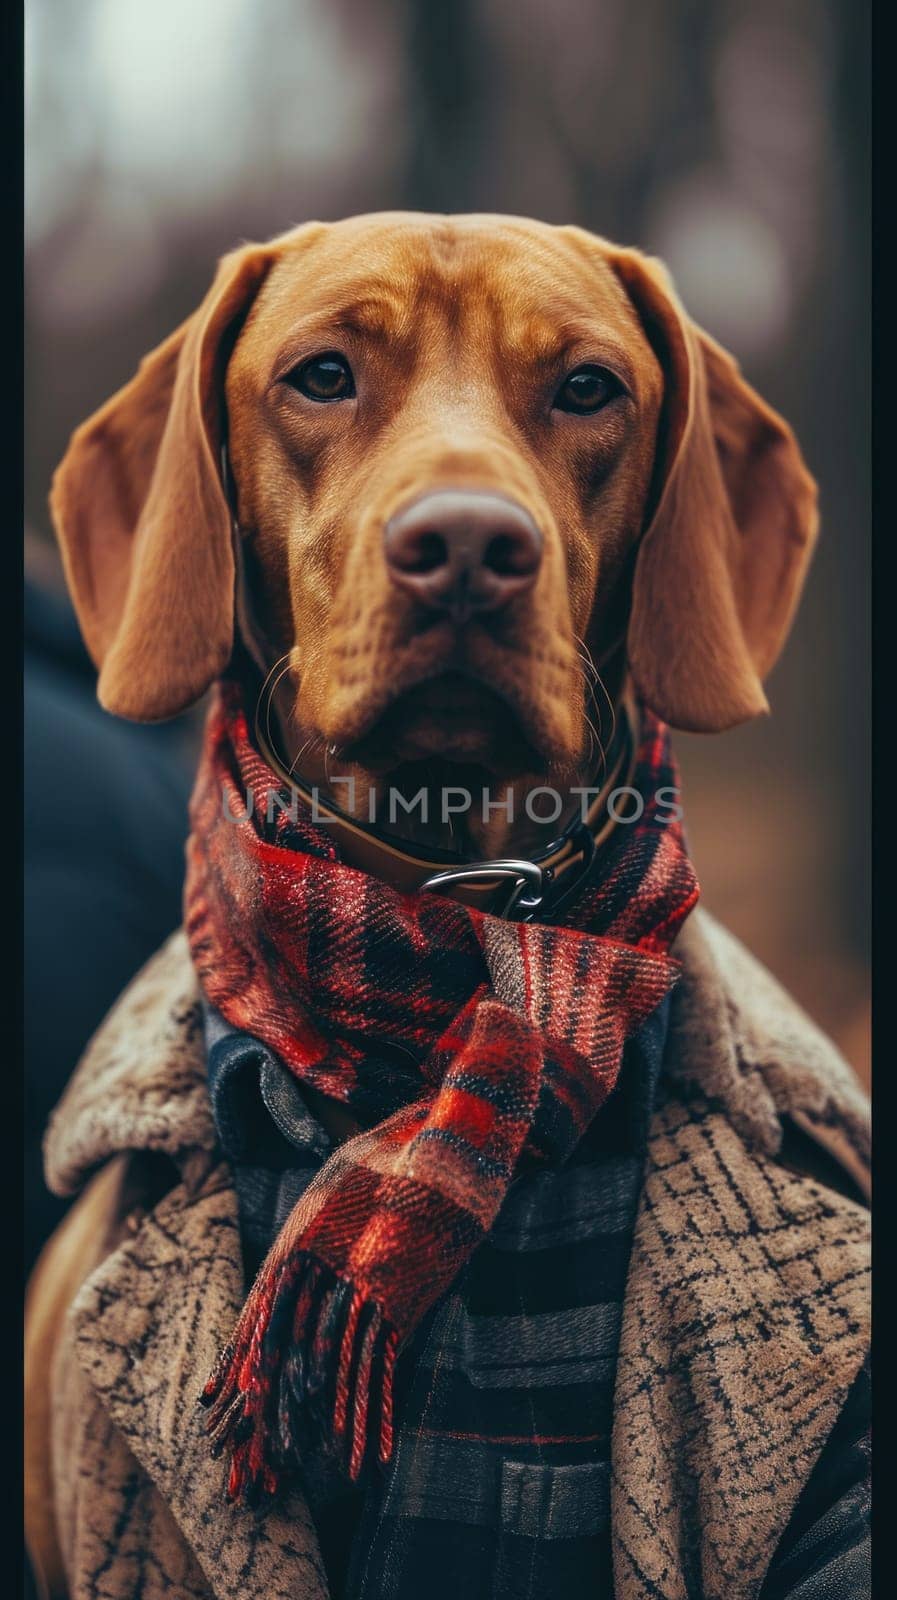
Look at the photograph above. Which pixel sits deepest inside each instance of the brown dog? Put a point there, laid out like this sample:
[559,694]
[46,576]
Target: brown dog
[449,481]
[473,457]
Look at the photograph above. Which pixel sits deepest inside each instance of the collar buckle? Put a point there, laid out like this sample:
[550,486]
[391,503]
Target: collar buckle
[527,890]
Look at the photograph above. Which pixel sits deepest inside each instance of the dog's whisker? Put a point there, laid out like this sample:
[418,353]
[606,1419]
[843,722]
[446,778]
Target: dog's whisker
[593,680]
[313,740]
[588,665]
[597,683]
[270,674]
[595,738]
[267,692]
[274,687]
[610,706]
[268,687]
[585,654]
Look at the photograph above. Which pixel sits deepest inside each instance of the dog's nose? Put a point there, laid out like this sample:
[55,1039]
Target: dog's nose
[462,551]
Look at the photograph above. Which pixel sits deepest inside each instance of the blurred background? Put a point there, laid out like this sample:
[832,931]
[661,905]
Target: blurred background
[729,138]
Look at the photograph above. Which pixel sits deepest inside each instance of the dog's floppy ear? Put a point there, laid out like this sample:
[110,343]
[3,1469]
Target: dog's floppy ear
[142,519]
[722,562]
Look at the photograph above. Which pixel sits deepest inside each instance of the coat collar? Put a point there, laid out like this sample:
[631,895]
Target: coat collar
[141,1083]
[741,1040]
[745,1299]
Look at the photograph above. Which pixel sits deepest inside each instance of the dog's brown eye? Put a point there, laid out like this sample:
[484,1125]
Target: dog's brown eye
[587,389]
[324,378]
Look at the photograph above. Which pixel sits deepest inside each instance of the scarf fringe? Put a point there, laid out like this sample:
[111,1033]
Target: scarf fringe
[310,1356]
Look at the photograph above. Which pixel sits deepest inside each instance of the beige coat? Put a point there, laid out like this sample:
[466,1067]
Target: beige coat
[744,1325]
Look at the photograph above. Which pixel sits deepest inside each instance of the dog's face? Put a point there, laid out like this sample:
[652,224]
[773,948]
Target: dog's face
[470,456]
[442,433]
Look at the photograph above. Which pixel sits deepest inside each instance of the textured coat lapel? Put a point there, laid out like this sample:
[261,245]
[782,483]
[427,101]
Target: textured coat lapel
[141,1083]
[740,1039]
[745,1320]
[148,1326]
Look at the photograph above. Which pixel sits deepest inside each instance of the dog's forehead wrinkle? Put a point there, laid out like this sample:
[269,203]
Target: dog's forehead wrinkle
[397,248]
[497,290]
[294,292]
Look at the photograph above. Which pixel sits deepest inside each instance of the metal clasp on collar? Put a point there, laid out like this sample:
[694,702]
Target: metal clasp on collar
[526,893]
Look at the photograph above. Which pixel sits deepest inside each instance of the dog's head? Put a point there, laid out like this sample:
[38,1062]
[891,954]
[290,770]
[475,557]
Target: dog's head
[469,455]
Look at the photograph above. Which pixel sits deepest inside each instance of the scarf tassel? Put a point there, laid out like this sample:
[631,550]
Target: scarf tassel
[310,1357]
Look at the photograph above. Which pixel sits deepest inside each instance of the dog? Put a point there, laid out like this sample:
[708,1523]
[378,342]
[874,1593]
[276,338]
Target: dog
[602,468]
[454,488]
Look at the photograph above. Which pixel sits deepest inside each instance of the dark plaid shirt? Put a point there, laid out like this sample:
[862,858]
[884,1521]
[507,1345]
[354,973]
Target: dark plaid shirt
[499,1481]
[498,1488]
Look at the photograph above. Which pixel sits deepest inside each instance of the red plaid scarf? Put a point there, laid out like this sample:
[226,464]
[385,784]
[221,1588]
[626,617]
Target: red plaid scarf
[510,1038]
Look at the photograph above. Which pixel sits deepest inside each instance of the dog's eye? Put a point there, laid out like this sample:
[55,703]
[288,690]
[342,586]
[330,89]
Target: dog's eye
[327,377]
[587,389]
